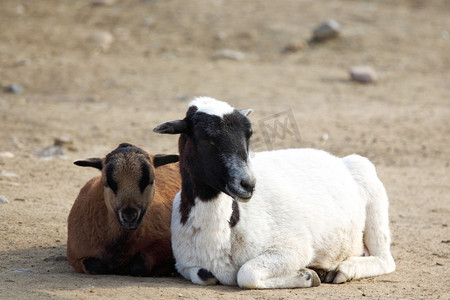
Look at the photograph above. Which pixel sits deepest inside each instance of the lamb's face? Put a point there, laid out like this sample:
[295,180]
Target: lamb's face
[128,175]
[128,178]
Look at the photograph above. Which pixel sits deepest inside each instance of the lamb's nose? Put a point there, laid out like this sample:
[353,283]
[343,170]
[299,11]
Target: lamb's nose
[130,214]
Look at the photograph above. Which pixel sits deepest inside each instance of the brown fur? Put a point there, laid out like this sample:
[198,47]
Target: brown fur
[94,231]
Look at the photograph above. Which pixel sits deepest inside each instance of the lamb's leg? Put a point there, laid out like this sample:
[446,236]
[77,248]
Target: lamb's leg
[376,233]
[93,265]
[137,266]
[276,269]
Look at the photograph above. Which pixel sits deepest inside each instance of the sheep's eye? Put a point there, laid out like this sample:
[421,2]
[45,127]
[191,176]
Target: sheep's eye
[151,182]
[212,143]
[249,133]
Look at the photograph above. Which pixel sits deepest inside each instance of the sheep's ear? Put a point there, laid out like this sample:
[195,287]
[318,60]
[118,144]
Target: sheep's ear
[172,127]
[161,159]
[246,112]
[90,162]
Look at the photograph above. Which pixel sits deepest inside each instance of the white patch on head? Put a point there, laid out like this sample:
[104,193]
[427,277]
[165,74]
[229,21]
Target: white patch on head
[212,106]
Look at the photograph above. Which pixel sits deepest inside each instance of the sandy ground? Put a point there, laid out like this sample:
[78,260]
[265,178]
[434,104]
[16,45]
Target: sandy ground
[102,89]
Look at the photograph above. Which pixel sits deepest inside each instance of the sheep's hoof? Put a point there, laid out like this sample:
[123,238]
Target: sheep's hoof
[310,275]
[331,275]
[315,279]
[321,273]
[206,277]
[340,278]
[326,276]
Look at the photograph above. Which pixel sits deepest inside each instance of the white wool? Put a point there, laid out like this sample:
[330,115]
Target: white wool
[309,209]
[211,106]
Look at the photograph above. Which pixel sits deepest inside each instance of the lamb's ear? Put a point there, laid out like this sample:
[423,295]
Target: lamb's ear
[161,159]
[90,162]
[246,112]
[172,127]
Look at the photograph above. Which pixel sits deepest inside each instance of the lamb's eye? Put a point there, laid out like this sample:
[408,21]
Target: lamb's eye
[212,143]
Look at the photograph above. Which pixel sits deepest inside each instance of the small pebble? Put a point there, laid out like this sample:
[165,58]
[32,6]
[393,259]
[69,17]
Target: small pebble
[27,271]
[221,36]
[103,2]
[56,258]
[9,174]
[92,98]
[51,151]
[326,31]
[3,199]
[181,97]
[21,63]
[363,74]
[103,39]
[228,54]
[14,89]
[148,22]
[296,46]
[20,9]
[64,141]
[122,33]
[10,183]
[16,142]
[6,154]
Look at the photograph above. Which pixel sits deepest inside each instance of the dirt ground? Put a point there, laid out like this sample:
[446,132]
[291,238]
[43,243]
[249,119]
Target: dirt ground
[107,74]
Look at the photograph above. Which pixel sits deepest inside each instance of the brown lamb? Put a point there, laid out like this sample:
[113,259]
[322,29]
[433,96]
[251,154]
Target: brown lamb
[120,221]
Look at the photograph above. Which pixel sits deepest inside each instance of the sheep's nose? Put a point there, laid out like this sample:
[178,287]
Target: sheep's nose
[130,214]
[248,184]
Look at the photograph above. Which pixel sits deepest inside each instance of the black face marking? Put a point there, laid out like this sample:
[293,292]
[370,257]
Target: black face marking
[187,197]
[205,148]
[234,219]
[215,138]
[125,150]
[110,179]
[145,177]
[205,275]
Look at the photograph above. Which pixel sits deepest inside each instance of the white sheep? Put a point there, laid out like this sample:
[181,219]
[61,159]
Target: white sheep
[270,221]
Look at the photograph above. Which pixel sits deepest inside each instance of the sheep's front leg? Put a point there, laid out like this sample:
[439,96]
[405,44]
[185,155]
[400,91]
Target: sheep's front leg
[202,276]
[275,271]
[362,267]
